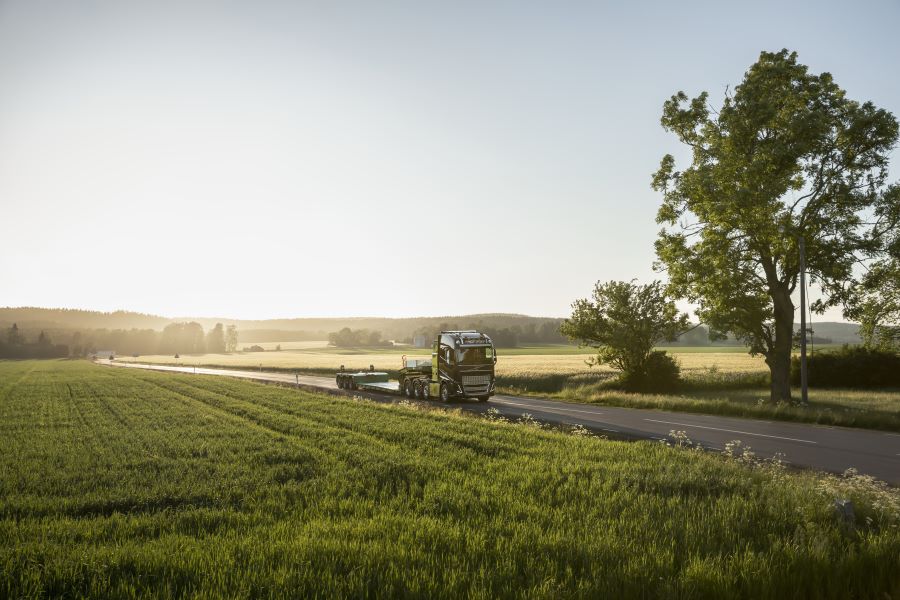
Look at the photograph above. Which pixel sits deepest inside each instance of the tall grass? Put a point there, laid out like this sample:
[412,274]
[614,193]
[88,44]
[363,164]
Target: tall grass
[126,483]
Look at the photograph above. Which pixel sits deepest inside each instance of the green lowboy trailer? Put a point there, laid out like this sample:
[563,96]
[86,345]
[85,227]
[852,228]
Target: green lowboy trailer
[461,366]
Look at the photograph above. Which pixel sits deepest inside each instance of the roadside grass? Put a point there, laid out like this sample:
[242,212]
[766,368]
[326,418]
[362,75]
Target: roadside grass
[870,409]
[716,392]
[129,483]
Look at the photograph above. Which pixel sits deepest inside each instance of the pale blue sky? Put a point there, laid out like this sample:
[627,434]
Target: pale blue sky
[276,159]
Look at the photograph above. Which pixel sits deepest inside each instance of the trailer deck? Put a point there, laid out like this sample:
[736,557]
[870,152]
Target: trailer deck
[392,387]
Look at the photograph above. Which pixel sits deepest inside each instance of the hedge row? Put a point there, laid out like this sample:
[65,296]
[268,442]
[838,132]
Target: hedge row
[851,366]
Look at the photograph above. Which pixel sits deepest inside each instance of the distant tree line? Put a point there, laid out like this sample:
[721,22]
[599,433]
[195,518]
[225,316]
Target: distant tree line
[698,335]
[546,332]
[65,321]
[15,345]
[175,338]
[358,338]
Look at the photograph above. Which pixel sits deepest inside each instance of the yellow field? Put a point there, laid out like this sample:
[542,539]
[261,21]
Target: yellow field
[313,356]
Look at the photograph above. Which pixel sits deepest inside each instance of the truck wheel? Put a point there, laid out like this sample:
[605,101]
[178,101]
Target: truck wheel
[408,388]
[351,383]
[426,390]
[340,382]
[445,393]
[417,388]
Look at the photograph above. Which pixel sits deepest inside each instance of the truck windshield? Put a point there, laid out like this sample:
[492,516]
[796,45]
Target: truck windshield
[475,356]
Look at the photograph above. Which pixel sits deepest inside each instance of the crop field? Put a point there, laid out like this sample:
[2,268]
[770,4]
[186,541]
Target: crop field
[128,483]
[518,362]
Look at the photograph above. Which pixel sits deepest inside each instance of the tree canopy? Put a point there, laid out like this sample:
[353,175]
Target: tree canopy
[624,321]
[787,155]
[876,303]
[215,339]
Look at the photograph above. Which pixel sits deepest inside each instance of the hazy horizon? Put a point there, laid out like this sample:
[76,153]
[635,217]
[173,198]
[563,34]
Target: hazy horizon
[363,317]
[305,160]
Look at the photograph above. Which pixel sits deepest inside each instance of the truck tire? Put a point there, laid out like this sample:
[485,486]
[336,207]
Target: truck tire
[417,388]
[340,382]
[408,388]
[351,383]
[445,393]
[426,390]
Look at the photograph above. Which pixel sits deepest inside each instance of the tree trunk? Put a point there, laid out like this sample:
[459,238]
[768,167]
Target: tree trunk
[779,357]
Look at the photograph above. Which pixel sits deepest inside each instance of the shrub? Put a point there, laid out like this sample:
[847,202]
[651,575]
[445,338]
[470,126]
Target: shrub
[851,366]
[661,374]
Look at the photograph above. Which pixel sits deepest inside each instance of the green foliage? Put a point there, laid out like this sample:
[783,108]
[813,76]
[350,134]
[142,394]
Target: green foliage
[876,303]
[126,483]
[660,373]
[786,155]
[624,322]
[851,367]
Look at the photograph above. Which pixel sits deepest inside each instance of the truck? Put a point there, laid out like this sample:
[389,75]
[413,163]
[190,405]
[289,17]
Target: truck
[461,366]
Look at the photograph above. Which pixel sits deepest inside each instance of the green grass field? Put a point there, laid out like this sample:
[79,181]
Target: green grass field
[127,483]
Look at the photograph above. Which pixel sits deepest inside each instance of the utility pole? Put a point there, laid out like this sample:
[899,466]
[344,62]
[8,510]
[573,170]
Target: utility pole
[804,388]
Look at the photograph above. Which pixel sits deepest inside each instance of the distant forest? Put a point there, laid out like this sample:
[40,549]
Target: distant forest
[130,333]
[175,338]
[14,344]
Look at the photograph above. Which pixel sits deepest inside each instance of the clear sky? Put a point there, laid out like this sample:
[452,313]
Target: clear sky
[277,159]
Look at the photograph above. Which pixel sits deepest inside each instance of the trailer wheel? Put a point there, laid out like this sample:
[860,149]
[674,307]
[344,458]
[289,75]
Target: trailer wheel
[426,390]
[445,393]
[418,389]
[408,388]
[351,383]
[340,382]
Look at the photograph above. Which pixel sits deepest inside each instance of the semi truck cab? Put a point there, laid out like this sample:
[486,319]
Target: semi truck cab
[462,366]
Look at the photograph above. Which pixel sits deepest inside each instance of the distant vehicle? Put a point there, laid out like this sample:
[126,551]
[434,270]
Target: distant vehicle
[176,357]
[461,366]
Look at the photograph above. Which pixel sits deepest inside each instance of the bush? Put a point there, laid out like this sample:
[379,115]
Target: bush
[661,374]
[851,366]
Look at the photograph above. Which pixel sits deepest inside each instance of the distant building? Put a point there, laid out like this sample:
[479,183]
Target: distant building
[420,341]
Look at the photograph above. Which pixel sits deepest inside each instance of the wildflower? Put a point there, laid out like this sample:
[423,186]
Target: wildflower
[581,431]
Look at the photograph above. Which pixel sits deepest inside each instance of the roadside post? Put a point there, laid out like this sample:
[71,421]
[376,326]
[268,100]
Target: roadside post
[804,387]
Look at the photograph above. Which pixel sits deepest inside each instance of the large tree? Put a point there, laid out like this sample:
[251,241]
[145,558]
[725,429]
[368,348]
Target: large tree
[231,338]
[215,339]
[787,155]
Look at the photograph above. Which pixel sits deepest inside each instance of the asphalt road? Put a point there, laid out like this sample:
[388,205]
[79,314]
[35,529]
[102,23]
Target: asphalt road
[832,449]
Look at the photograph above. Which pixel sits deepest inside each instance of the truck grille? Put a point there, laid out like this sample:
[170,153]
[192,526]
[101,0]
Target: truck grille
[476,385]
